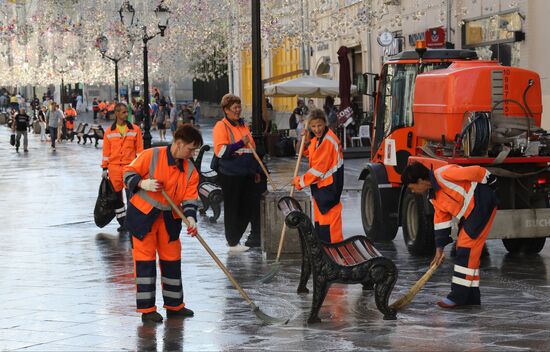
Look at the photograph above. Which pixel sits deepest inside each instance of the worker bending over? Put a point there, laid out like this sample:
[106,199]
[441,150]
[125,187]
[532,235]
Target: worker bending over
[467,194]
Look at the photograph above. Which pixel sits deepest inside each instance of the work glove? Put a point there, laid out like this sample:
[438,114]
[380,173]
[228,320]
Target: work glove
[296,183]
[150,185]
[192,228]
[105,173]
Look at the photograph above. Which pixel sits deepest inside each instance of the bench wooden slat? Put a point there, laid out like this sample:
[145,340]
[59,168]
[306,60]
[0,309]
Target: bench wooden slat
[358,257]
[350,260]
[333,253]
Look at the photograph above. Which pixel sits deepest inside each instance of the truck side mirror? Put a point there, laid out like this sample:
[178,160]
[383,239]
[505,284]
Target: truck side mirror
[370,83]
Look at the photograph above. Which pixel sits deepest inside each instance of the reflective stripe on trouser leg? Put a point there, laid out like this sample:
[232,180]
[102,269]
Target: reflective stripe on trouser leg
[465,281]
[329,225]
[120,210]
[145,283]
[172,290]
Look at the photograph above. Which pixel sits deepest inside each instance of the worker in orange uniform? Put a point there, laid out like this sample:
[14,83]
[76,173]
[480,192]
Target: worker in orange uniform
[237,170]
[70,117]
[122,142]
[325,177]
[155,228]
[101,106]
[465,193]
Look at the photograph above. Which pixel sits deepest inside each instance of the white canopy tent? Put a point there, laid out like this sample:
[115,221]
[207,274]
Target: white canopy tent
[307,86]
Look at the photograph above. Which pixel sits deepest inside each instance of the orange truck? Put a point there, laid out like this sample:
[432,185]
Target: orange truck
[446,106]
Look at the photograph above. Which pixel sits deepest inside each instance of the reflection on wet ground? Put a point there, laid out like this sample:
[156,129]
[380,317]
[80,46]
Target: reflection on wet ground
[68,285]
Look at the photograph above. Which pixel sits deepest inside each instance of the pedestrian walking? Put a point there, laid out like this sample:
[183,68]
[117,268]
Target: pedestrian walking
[161,117]
[121,144]
[237,170]
[95,108]
[196,111]
[465,193]
[325,177]
[55,118]
[42,122]
[19,126]
[155,228]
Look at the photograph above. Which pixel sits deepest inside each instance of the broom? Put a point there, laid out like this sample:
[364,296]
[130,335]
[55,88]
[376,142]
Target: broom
[408,297]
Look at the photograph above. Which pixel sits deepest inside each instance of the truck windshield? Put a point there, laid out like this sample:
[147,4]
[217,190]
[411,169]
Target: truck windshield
[396,95]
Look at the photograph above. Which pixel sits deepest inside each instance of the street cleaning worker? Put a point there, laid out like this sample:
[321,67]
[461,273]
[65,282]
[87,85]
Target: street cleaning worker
[237,170]
[122,142]
[70,117]
[155,228]
[467,194]
[325,177]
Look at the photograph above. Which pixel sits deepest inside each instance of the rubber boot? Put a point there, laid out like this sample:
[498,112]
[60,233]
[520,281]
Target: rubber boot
[182,313]
[154,317]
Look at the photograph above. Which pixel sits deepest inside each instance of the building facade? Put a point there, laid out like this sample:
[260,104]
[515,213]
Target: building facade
[510,31]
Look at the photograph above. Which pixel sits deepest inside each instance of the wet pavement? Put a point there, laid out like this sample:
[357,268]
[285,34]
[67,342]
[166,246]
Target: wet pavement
[68,285]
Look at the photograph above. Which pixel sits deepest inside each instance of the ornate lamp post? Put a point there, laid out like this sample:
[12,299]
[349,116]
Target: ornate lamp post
[127,16]
[102,44]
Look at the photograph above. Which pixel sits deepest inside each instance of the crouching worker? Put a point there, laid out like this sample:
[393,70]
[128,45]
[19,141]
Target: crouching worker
[325,177]
[155,228]
[467,194]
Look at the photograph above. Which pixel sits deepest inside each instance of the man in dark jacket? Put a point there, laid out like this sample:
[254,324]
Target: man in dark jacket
[19,126]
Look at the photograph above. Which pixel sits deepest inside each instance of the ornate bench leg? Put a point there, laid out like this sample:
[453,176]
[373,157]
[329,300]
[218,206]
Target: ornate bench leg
[204,206]
[320,289]
[217,209]
[384,277]
[306,268]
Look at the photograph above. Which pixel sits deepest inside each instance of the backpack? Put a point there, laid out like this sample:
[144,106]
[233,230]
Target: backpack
[292,123]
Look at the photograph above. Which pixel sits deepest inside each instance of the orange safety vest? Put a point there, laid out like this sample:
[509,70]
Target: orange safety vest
[121,150]
[454,194]
[70,112]
[180,182]
[101,106]
[234,162]
[225,133]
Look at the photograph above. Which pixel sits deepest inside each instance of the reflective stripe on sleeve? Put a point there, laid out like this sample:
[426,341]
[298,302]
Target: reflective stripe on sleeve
[143,194]
[442,225]
[113,135]
[222,151]
[131,134]
[105,158]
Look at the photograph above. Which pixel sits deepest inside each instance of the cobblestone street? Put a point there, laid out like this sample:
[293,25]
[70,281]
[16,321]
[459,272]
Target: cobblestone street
[68,285]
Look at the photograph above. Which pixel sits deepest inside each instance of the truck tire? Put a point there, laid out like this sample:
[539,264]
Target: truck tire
[525,245]
[417,223]
[377,223]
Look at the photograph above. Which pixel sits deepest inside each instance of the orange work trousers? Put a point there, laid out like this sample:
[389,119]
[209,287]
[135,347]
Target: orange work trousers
[328,225]
[465,282]
[145,254]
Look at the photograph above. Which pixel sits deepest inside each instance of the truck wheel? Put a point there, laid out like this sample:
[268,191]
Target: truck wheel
[525,245]
[377,223]
[418,230]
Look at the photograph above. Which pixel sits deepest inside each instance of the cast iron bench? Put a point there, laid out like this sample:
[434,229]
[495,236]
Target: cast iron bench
[211,196]
[210,192]
[352,261]
[96,132]
[80,130]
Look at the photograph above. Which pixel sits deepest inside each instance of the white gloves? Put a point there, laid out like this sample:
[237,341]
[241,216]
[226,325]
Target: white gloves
[192,223]
[151,185]
[105,174]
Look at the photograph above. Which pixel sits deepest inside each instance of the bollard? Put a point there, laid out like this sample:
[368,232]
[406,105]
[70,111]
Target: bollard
[272,223]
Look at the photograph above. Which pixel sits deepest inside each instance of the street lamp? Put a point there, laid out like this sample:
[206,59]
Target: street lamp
[102,44]
[127,17]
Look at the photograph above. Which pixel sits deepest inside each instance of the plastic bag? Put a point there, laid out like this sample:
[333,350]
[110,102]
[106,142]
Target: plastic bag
[12,139]
[104,210]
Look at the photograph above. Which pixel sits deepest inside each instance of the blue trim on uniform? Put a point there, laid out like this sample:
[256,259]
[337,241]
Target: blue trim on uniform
[171,160]
[132,182]
[239,122]
[442,237]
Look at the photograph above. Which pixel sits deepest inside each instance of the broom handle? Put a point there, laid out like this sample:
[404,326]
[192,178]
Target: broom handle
[262,166]
[283,231]
[209,250]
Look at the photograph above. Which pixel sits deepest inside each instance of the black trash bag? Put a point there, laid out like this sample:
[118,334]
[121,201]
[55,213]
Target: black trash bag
[104,210]
[285,147]
[12,139]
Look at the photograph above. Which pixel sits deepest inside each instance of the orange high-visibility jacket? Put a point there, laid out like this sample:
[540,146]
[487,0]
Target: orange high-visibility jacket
[102,105]
[121,150]
[70,112]
[454,188]
[180,180]
[326,170]
[236,159]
